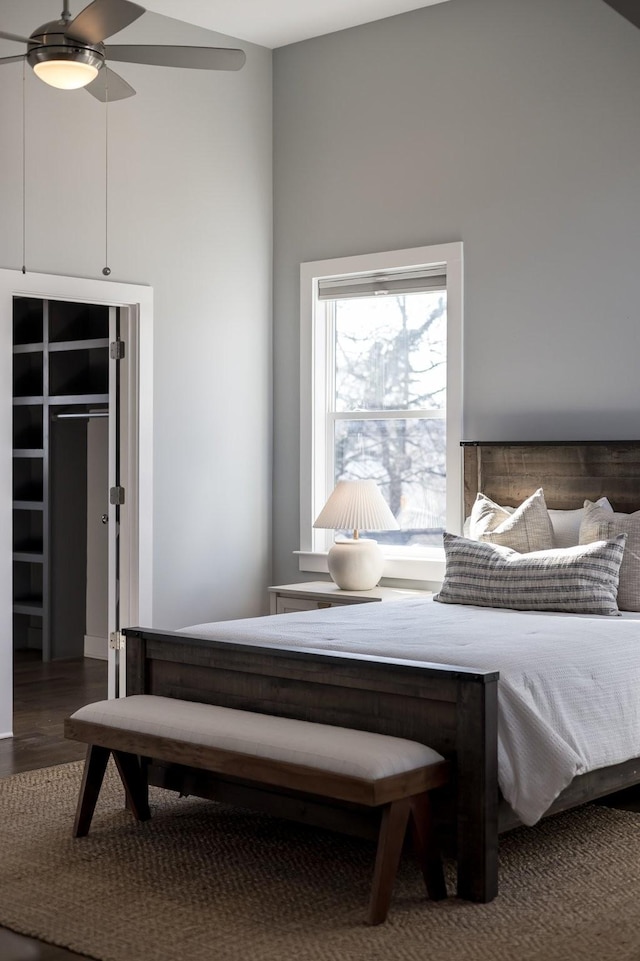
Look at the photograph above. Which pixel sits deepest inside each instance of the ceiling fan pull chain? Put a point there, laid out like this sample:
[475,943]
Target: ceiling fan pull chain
[106,270]
[24,167]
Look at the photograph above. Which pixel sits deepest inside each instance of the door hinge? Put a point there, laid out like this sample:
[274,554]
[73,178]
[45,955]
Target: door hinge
[117,641]
[116,495]
[116,350]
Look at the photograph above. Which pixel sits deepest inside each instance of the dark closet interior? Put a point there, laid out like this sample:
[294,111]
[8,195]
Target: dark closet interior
[60,382]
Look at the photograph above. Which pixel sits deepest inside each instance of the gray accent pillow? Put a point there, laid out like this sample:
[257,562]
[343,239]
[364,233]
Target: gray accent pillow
[566,524]
[577,580]
[527,529]
[597,524]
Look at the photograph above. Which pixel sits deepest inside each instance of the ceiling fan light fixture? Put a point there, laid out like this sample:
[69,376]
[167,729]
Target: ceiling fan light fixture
[61,62]
[66,74]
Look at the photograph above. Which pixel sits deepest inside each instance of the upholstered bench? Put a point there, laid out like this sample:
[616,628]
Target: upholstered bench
[387,773]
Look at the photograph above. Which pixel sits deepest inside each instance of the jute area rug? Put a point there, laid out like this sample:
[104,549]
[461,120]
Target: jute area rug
[204,882]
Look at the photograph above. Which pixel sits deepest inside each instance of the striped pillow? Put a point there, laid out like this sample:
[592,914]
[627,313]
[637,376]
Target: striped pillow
[577,580]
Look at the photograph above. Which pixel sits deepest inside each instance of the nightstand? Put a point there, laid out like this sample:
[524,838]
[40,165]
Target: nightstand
[315,595]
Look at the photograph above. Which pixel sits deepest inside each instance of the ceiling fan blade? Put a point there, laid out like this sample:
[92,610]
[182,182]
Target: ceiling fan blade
[13,36]
[626,8]
[109,86]
[101,19]
[199,58]
[12,59]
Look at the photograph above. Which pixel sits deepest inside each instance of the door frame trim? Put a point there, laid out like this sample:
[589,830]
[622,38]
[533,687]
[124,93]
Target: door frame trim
[133,297]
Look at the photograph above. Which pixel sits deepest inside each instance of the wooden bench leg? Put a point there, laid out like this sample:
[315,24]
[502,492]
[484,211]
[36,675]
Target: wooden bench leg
[94,767]
[135,784]
[424,843]
[393,827]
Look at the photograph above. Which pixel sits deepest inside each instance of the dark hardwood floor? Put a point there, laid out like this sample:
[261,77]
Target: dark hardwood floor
[43,695]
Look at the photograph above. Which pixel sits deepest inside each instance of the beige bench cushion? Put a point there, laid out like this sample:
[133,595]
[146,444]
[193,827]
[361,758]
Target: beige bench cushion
[358,754]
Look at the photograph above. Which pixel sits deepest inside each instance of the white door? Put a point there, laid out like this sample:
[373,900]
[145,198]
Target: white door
[122,494]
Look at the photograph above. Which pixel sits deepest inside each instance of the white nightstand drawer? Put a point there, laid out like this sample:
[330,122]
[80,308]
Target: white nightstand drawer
[316,595]
[286,604]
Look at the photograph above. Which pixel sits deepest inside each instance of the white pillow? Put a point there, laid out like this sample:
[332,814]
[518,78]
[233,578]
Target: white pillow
[527,529]
[566,524]
[466,527]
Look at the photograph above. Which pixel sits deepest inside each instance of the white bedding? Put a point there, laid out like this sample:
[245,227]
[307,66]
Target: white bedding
[569,689]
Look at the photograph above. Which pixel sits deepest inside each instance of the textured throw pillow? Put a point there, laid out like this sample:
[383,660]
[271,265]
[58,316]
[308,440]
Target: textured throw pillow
[597,524]
[566,524]
[577,580]
[528,528]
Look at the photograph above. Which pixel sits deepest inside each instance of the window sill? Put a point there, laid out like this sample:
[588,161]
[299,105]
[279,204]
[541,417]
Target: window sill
[429,566]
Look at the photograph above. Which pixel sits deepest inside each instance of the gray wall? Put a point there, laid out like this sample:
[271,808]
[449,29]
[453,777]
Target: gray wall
[190,188]
[511,125]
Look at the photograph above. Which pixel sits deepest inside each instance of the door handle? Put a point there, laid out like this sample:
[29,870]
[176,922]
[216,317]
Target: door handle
[104,518]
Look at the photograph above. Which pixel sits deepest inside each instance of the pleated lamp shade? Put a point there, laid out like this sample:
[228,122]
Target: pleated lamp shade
[356,505]
[356,565]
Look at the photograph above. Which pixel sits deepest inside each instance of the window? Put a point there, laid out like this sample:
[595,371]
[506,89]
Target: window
[381,397]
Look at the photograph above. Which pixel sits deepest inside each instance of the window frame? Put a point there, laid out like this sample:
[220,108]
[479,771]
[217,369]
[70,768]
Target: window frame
[315,486]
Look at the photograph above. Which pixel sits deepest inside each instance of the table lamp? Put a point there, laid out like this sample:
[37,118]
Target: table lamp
[356,565]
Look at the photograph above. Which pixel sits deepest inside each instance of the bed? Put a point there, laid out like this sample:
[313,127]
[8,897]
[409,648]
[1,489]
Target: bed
[365,667]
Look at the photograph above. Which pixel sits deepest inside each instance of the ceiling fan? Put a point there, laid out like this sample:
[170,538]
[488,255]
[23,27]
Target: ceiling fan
[70,52]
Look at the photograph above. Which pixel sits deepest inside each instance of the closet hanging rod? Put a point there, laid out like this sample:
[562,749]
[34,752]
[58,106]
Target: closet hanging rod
[80,415]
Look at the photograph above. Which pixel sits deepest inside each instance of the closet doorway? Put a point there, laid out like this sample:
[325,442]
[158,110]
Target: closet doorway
[78,536]
[61,413]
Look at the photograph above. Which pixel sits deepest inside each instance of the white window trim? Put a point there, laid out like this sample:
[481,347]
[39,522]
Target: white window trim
[398,562]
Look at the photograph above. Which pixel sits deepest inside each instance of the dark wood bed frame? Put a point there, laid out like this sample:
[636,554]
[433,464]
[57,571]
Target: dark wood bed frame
[452,709]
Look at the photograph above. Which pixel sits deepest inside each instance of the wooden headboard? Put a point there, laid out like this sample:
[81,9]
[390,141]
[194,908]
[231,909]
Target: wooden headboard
[568,471]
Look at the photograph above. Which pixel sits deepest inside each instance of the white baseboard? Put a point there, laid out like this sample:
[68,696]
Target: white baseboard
[97,647]
[8,734]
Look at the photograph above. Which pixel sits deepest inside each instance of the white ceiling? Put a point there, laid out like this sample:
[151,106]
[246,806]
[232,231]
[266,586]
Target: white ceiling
[273,23]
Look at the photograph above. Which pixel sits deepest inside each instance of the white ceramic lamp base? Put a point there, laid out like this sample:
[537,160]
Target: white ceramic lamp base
[355,565]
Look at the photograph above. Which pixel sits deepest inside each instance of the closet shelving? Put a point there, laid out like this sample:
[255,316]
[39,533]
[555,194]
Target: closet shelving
[60,364]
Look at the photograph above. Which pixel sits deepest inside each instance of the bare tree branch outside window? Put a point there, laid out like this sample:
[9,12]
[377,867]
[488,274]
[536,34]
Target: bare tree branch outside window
[390,365]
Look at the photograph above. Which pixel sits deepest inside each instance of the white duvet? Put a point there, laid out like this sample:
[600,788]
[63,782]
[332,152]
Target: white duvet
[569,688]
